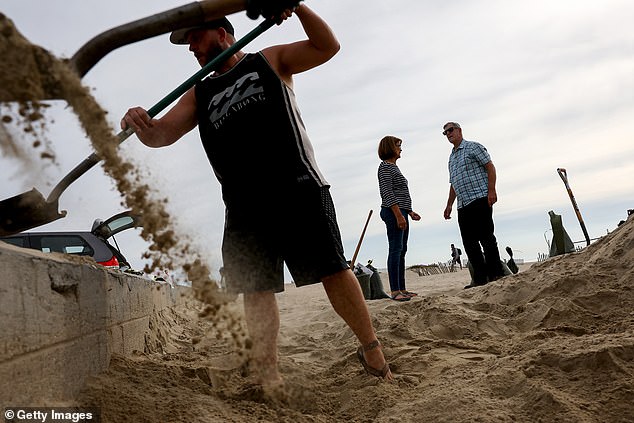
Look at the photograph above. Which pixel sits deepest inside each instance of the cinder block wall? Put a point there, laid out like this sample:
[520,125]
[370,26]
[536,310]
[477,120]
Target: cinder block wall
[62,318]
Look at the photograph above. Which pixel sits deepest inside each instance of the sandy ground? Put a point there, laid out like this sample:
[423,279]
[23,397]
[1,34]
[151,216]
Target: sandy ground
[552,343]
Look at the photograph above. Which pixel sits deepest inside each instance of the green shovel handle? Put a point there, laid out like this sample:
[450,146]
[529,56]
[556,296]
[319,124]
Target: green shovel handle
[93,159]
[209,67]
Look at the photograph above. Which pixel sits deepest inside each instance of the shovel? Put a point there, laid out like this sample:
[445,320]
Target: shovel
[356,252]
[90,53]
[31,209]
[564,177]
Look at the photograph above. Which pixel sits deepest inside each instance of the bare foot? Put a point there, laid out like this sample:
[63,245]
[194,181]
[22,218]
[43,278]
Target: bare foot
[265,371]
[269,377]
[267,385]
[275,392]
[270,394]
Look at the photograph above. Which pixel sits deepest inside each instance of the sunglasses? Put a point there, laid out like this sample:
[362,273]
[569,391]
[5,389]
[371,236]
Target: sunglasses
[448,130]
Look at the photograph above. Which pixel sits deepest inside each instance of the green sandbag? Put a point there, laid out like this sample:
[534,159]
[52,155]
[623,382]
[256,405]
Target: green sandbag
[364,281]
[376,287]
[561,243]
[512,266]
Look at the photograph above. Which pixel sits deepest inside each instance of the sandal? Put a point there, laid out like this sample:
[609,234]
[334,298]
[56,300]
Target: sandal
[409,293]
[400,297]
[371,370]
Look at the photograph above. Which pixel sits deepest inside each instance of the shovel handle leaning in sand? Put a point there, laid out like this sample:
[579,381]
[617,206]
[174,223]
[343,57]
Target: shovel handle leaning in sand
[356,251]
[564,177]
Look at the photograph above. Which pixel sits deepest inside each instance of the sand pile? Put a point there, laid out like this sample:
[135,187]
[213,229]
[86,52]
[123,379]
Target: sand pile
[552,343]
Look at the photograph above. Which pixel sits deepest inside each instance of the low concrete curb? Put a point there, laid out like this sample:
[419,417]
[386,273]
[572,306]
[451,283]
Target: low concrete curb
[61,319]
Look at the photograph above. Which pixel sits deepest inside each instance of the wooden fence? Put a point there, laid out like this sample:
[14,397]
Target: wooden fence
[432,269]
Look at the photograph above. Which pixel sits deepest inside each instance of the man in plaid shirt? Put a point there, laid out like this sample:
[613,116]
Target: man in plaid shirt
[472,180]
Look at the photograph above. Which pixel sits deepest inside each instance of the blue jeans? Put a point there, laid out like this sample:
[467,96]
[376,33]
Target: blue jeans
[397,247]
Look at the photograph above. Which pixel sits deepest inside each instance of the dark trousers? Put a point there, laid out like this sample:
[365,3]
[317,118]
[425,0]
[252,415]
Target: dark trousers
[476,228]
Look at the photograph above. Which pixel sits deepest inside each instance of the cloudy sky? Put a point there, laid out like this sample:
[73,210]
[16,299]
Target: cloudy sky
[542,84]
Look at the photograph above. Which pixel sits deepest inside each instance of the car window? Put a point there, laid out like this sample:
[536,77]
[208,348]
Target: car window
[119,223]
[114,225]
[69,244]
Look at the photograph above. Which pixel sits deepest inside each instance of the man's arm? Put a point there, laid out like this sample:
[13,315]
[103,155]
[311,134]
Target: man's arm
[450,200]
[178,121]
[300,56]
[492,176]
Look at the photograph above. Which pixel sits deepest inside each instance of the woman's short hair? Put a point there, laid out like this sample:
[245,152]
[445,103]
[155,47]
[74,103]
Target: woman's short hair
[388,148]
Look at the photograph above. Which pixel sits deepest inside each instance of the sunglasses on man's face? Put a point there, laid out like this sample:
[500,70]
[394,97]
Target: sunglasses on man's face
[448,130]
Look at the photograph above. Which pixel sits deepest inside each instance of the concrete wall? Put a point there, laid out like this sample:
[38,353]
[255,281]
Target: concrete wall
[61,319]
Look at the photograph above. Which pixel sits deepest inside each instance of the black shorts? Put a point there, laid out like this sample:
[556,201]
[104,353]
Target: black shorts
[302,232]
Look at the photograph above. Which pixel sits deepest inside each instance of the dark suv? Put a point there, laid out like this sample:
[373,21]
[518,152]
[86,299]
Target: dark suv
[94,243]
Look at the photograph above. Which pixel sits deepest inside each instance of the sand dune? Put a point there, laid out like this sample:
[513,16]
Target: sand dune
[552,343]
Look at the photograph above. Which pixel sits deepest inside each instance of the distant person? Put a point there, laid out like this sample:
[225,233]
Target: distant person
[455,256]
[278,204]
[472,179]
[396,208]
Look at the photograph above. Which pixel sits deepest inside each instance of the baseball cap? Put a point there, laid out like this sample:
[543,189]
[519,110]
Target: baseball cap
[179,36]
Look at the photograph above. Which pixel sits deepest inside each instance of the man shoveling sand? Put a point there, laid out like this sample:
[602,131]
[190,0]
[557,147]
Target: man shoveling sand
[261,154]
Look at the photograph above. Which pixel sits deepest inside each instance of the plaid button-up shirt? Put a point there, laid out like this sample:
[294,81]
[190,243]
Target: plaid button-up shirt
[467,174]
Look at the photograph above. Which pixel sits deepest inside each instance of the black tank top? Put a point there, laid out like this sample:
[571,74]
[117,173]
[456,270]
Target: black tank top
[253,134]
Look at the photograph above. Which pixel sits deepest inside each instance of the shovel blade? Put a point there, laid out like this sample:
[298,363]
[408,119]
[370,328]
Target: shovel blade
[26,211]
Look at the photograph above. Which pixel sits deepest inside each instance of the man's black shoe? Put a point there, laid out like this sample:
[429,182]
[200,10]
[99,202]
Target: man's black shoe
[473,285]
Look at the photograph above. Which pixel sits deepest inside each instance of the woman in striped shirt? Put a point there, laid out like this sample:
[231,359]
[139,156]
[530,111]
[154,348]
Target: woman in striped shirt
[396,207]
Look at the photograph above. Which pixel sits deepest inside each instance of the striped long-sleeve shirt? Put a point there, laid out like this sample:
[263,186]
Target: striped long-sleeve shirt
[393,187]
